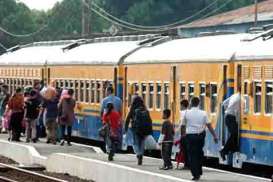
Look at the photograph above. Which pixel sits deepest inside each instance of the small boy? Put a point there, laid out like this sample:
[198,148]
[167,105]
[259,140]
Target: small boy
[167,135]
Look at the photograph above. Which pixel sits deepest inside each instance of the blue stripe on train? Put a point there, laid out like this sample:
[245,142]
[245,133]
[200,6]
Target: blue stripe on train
[257,132]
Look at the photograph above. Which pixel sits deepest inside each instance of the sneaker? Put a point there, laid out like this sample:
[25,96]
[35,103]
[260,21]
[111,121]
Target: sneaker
[196,178]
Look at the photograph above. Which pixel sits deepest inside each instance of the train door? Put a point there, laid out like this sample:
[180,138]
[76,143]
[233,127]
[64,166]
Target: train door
[173,92]
[239,88]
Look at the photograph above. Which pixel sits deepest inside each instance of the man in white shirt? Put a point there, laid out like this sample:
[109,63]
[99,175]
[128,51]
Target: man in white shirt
[232,111]
[194,126]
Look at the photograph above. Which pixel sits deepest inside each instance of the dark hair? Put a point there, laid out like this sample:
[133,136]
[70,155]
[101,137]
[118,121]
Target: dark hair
[109,107]
[110,89]
[32,93]
[138,102]
[184,103]
[195,101]
[166,113]
[18,90]
[70,92]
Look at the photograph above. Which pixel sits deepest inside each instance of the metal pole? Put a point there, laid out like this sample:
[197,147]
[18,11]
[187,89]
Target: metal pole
[256,13]
[85,17]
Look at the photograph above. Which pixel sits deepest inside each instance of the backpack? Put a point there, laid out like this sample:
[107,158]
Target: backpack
[142,122]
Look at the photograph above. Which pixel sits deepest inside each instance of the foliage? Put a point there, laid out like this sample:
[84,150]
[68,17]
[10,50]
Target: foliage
[64,19]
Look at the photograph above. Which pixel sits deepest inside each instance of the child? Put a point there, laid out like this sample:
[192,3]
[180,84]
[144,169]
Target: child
[167,135]
[113,119]
[179,157]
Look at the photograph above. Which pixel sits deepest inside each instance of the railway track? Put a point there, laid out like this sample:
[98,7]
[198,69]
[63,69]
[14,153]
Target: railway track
[9,173]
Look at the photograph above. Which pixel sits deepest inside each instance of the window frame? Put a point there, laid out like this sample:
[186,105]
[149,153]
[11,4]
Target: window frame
[158,93]
[191,94]
[267,94]
[257,94]
[202,93]
[151,95]
[212,95]
[166,94]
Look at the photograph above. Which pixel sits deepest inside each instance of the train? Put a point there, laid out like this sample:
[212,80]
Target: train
[163,70]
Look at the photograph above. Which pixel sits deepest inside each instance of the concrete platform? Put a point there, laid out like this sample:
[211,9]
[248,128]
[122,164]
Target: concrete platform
[90,163]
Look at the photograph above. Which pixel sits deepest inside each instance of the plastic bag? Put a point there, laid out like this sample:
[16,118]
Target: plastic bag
[150,143]
[124,142]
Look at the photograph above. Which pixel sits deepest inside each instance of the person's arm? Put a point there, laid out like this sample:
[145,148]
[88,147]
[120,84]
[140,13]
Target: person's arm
[101,108]
[212,132]
[128,119]
[225,103]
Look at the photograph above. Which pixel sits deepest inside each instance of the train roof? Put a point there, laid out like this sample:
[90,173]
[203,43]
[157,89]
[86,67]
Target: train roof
[259,49]
[103,53]
[35,54]
[201,49]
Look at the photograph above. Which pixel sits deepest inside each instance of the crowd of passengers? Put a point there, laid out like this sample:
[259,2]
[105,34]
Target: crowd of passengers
[27,109]
[35,112]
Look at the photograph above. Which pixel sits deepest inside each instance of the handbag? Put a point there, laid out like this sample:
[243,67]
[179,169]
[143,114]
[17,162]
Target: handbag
[104,130]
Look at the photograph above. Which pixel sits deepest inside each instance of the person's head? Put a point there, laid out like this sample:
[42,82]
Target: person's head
[18,90]
[37,84]
[5,88]
[33,93]
[184,104]
[70,92]
[138,102]
[109,90]
[195,102]
[109,107]
[166,113]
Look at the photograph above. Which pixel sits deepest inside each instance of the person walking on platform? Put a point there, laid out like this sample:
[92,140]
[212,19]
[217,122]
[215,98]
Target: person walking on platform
[16,105]
[194,124]
[232,113]
[167,136]
[3,103]
[113,99]
[66,107]
[112,119]
[184,107]
[32,106]
[141,124]
[51,108]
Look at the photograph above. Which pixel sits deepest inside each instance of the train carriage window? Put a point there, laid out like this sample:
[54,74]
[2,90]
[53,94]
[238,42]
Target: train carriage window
[202,95]
[166,96]
[144,91]
[257,97]
[151,95]
[87,91]
[81,89]
[61,84]
[182,92]
[98,91]
[246,98]
[93,88]
[66,84]
[268,97]
[77,90]
[213,98]
[191,91]
[158,95]
[57,84]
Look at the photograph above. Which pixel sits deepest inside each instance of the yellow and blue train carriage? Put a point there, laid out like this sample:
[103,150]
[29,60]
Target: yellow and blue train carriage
[256,128]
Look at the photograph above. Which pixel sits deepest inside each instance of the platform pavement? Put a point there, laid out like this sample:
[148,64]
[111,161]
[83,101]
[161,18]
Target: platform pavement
[89,163]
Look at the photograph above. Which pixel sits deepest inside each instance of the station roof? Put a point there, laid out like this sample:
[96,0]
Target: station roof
[238,16]
[95,53]
[201,49]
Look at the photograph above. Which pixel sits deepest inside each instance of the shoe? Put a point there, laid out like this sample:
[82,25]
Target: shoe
[196,178]
[110,157]
[34,140]
[163,168]
[28,140]
[223,156]
[69,144]
[62,143]
[139,160]
[48,141]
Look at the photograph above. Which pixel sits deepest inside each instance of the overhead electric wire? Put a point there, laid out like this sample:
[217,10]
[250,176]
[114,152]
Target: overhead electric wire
[23,35]
[156,27]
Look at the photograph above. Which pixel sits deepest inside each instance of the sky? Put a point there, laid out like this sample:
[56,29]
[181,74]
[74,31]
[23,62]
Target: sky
[39,4]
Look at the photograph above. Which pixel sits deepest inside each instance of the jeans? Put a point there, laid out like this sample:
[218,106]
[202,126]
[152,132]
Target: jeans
[166,153]
[232,142]
[138,144]
[69,132]
[31,129]
[195,150]
[16,125]
[51,126]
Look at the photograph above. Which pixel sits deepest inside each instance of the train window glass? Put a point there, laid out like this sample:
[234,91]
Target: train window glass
[98,89]
[268,97]
[87,91]
[202,95]
[77,90]
[144,91]
[151,95]
[213,98]
[93,88]
[61,84]
[81,89]
[166,95]
[190,91]
[246,98]
[66,84]
[182,91]
[257,97]
[57,84]
[158,95]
